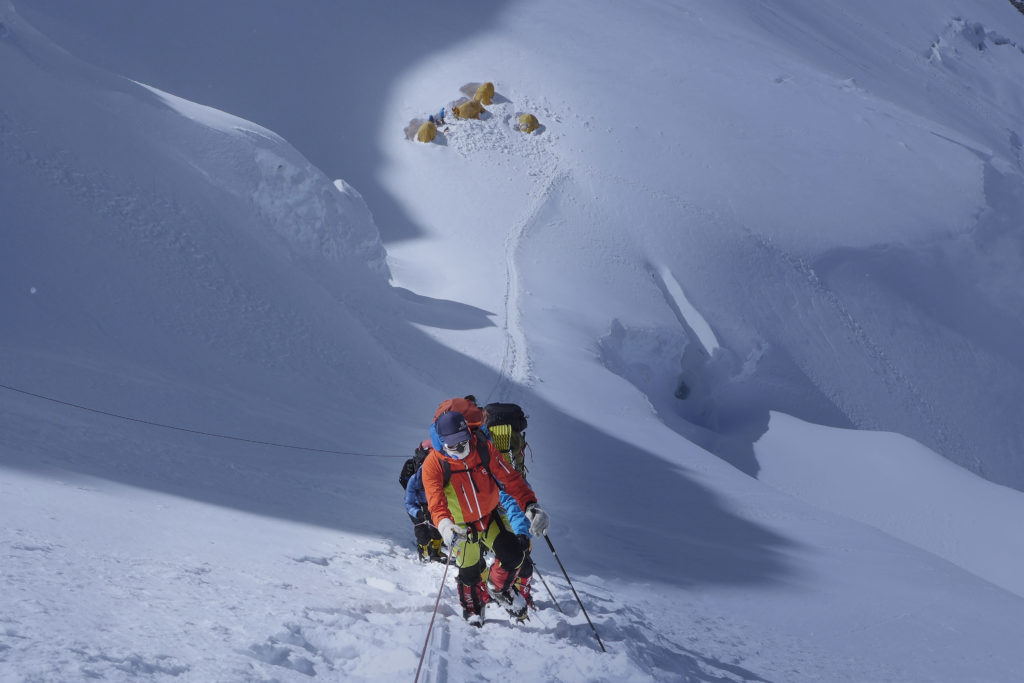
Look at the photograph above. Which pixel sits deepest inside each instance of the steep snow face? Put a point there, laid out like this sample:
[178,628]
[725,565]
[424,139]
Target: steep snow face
[316,74]
[833,191]
[930,502]
[310,217]
[808,174]
[125,237]
[931,301]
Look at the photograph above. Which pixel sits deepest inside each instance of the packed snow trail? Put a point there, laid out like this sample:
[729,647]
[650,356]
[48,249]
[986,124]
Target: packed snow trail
[516,368]
[538,174]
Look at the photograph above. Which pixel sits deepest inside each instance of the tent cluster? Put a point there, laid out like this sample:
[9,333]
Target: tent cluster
[470,107]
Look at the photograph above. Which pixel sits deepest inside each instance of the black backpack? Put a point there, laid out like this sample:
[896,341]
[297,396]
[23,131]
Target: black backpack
[507,425]
[505,414]
[412,465]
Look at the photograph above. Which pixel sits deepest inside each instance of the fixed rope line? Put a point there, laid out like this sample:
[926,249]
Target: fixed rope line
[195,431]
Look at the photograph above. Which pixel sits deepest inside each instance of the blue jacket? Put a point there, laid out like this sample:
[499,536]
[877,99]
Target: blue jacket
[520,525]
[415,496]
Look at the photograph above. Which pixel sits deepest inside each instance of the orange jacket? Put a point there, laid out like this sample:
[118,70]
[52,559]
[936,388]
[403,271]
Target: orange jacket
[471,494]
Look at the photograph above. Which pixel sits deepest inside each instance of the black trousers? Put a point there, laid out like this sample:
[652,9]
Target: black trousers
[423,528]
[500,538]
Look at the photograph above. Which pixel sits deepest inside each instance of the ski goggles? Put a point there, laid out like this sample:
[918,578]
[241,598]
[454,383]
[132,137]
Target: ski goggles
[459,450]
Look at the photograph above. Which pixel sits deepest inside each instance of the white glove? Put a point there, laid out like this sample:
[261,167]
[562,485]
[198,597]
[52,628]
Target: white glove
[450,532]
[538,519]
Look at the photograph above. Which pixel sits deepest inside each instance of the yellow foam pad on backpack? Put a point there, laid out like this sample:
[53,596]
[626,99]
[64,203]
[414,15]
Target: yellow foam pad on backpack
[501,435]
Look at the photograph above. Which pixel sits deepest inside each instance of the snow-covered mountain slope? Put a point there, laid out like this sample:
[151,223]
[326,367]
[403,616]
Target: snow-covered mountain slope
[928,500]
[908,115]
[730,209]
[866,298]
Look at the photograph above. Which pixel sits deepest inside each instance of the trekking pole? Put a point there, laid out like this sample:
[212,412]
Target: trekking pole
[433,616]
[566,575]
[537,572]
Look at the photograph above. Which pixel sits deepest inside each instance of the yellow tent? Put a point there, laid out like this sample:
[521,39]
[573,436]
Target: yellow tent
[427,132]
[528,123]
[470,109]
[485,93]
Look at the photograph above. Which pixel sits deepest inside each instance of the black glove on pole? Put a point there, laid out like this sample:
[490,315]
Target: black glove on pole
[566,575]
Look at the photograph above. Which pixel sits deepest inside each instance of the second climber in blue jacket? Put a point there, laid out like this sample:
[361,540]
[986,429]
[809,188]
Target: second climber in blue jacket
[428,538]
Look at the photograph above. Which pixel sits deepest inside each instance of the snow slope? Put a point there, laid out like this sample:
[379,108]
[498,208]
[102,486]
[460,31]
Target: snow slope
[801,217]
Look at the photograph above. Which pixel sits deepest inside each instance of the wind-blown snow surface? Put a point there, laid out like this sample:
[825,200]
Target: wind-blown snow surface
[802,217]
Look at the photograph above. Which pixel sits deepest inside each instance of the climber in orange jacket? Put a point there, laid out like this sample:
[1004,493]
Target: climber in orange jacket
[462,483]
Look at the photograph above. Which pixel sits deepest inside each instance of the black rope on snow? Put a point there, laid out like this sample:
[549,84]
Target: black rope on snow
[195,431]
